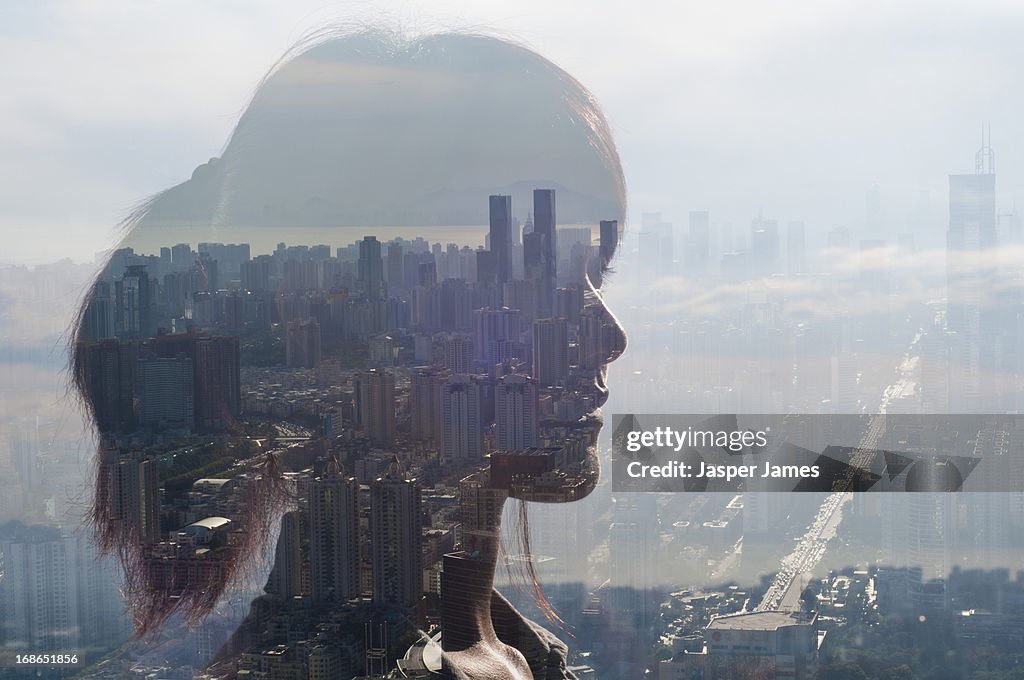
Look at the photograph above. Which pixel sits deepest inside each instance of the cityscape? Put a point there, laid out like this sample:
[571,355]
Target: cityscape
[304,456]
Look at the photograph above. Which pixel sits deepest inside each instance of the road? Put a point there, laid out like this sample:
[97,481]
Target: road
[797,567]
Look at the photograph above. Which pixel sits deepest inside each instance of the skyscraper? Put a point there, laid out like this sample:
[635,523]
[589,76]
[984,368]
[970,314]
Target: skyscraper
[396,280]
[461,426]
[972,229]
[100,316]
[533,257]
[371,269]
[334,534]
[167,392]
[377,406]
[111,367]
[486,268]
[545,224]
[456,305]
[501,236]
[424,394]
[515,412]
[102,622]
[550,351]
[131,485]
[396,538]
[134,301]
[217,375]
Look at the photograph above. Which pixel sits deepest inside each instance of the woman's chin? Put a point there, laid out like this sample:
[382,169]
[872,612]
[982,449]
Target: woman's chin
[561,486]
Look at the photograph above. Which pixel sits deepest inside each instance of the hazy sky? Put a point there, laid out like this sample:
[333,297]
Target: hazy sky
[793,108]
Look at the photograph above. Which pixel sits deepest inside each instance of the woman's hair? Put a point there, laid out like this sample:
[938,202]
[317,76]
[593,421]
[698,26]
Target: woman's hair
[358,128]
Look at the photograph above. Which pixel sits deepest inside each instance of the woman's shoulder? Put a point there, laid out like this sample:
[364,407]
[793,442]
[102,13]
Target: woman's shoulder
[545,653]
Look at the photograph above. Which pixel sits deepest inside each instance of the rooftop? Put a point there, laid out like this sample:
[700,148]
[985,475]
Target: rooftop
[771,620]
[209,523]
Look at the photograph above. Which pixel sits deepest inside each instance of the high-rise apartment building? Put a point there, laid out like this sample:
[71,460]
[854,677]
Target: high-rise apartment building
[376,394]
[550,351]
[216,367]
[334,534]
[461,425]
[131,485]
[515,413]
[496,335]
[38,608]
[458,352]
[396,538]
[167,392]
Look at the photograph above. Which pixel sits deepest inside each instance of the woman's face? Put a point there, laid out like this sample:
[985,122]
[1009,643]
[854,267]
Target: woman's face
[456,348]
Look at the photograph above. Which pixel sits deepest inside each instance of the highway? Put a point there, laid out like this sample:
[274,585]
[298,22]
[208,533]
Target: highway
[797,567]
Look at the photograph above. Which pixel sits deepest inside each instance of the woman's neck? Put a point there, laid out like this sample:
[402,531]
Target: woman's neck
[468,578]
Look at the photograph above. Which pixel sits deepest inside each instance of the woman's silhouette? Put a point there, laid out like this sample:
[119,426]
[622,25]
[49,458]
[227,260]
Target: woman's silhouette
[481,370]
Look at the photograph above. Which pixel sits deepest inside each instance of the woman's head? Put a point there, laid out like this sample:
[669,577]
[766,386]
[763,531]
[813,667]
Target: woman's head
[370,129]
[391,346]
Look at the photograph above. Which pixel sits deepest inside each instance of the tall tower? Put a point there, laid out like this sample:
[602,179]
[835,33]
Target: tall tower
[515,413]
[501,236]
[334,534]
[461,427]
[371,269]
[396,538]
[544,224]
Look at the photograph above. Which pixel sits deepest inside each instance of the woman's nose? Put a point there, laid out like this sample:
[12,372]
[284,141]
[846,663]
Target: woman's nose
[602,339]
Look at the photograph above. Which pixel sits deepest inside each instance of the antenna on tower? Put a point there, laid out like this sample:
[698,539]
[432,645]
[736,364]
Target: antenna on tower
[985,158]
